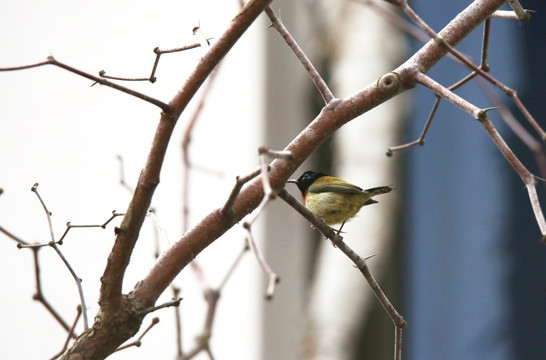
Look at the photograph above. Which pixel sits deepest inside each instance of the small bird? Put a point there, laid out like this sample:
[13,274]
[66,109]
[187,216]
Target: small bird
[333,200]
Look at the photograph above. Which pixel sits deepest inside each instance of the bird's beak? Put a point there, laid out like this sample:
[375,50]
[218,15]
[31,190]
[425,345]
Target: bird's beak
[293,181]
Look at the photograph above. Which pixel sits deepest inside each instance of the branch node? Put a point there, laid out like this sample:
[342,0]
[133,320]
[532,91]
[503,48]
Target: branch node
[332,105]
[482,113]
[521,13]
[118,230]
[389,83]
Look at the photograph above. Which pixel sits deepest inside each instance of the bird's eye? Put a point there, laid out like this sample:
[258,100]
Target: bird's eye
[307,178]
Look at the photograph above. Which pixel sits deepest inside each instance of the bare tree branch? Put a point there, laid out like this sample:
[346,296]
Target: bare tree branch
[120,316]
[336,114]
[100,342]
[97,80]
[70,333]
[54,245]
[360,263]
[291,42]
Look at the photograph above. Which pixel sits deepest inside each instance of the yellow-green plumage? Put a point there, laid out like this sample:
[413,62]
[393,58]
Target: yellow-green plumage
[333,200]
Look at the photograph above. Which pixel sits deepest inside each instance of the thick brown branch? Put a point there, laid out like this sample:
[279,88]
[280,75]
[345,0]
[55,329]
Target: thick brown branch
[332,117]
[111,330]
[114,307]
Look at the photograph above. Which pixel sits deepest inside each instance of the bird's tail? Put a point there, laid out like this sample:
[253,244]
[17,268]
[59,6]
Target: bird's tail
[378,190]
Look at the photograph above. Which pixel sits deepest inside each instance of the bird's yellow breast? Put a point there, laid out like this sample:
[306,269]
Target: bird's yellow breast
[334,207]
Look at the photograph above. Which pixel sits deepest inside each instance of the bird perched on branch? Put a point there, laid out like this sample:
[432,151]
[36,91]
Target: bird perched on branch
[333,200]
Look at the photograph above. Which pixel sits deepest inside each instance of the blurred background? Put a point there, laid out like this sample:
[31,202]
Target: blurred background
[459,250]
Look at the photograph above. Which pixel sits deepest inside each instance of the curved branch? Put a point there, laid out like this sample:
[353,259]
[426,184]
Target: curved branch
[331,118]
[116,321]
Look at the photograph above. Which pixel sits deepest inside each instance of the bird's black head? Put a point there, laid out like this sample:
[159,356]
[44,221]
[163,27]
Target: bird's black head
[306,179]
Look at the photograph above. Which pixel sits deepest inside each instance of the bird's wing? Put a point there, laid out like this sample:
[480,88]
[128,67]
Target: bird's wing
[339,186]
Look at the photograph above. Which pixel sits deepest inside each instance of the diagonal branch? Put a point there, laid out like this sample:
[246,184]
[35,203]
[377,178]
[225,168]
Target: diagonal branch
[480,114]
[443,39]
[54,245]
[359,262]
[291,42]
[331,118]
[149,178]
[106,334]
[97,80]
[104,339]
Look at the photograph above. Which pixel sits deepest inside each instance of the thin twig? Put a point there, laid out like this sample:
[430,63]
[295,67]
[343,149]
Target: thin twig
[485,44]
[507,14]
[70,333]
[319,82]
[78,281]
[421,140]
[395,20]
[196,268]
[115,214]
[158,52]
[190,125]
[447,94]
[183,48]
[203,41]
[360,262]
[212,297]
[268,191]
[103,75]
[239,182]
[234,265]
[508,91]
[528,179]
[40,297]
[520,12]
[272,276]
[122,181]
[138,341]
[179,348]
[506,115]
[269,195]
[13,237]
[34,189]
[483,65]
[70,226]
[276,154]
[173,302]
[398,342]
[152,78]
[53,244]
[480,114]
[97,80]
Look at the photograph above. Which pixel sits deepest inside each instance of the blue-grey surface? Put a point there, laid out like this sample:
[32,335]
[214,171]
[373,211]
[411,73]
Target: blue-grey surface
[475,279]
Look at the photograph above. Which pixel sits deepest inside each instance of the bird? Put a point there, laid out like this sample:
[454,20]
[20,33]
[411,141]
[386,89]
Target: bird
[334,200]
